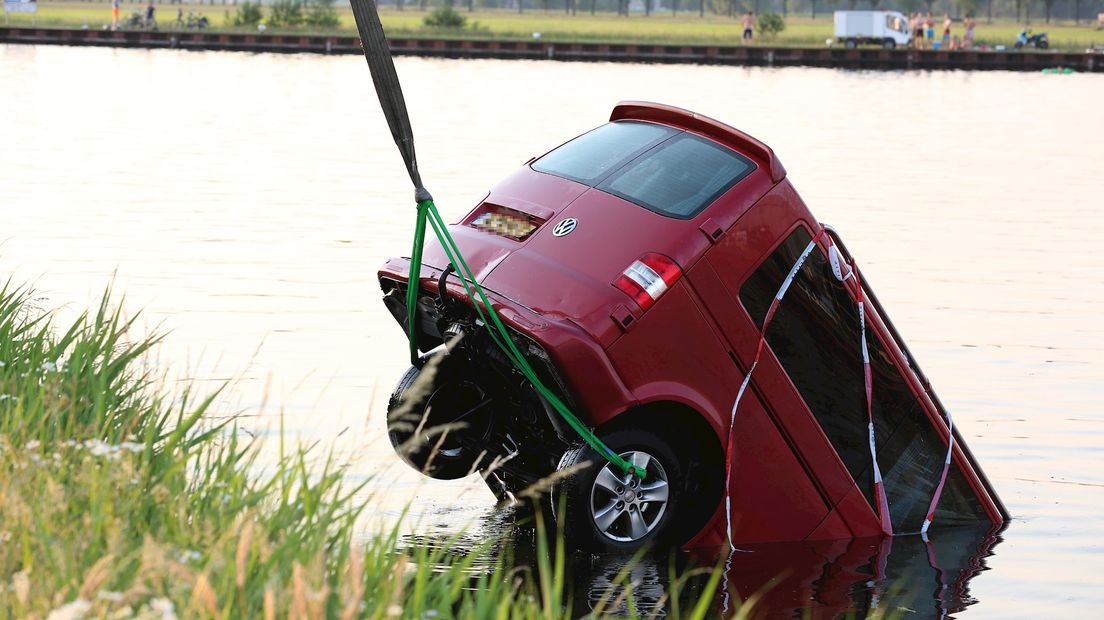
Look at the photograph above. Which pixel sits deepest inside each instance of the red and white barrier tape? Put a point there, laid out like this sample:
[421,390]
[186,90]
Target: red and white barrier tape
[747,378]
[883,503]
[879,485]
[942,478]
[842,272]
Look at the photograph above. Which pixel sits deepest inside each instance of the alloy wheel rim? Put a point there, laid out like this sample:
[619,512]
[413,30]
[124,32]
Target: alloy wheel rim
[623,507]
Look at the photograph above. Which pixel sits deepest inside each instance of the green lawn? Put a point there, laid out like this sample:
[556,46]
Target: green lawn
[687,28]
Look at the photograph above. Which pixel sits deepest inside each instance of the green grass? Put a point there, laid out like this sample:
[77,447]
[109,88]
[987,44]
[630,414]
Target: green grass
[660,28]
[123,501]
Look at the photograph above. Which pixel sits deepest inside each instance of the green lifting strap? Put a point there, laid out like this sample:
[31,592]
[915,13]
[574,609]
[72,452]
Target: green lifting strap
[386,81]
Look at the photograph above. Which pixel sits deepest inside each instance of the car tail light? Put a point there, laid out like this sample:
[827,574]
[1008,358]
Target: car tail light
[646,279]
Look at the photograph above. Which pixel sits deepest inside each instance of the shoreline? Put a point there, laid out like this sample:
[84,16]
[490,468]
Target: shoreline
[833,57]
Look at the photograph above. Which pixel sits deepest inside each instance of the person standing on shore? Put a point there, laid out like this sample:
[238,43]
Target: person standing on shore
[929,25]
[114,15]
[749,24]
[968,39]
[149,15]
[946,30]
[917,30]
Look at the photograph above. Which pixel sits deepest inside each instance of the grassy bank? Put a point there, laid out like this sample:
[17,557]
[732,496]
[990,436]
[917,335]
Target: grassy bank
[119,501]
[686,28]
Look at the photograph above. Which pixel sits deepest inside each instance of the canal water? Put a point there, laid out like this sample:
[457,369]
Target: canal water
[243,203]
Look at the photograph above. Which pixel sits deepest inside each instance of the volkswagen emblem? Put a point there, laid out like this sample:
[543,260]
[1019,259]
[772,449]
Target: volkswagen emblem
[564,227]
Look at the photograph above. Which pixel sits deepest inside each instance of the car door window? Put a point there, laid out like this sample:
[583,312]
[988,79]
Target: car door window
[815,335]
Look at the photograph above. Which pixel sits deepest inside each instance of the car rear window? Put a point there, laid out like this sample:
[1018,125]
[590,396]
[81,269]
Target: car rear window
[680,177]
[665,170]
[593,155]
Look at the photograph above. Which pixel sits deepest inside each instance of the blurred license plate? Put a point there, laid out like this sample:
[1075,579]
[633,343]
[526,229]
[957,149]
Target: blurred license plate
[504,224]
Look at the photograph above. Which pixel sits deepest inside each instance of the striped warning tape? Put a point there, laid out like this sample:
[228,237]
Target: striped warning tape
[843,272]
[747,378]
[942,478]
[868,381]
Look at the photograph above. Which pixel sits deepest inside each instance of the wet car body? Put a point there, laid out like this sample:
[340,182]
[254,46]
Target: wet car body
[672,363]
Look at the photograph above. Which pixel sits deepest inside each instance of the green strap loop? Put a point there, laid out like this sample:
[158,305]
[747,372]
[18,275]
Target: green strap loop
[415,275]
[427,210]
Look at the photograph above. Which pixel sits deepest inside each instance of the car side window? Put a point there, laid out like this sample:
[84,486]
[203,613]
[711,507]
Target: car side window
[815,335]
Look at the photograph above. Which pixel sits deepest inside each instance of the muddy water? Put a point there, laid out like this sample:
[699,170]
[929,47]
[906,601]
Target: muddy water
[243,202]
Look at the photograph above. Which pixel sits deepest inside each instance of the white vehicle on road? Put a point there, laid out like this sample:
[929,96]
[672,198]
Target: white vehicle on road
[887,29]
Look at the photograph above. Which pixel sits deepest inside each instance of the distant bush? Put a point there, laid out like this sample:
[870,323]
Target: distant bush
[770,24]
[286,13]
[445,17]
[322,14]
[248,14]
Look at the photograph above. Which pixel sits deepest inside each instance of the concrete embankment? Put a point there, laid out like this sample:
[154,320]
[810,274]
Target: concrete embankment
[896,59]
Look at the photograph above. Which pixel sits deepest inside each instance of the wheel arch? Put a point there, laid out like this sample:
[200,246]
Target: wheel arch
[672,418]
[696,438]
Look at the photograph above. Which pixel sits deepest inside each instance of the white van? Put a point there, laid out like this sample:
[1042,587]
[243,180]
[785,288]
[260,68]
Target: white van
[885,28]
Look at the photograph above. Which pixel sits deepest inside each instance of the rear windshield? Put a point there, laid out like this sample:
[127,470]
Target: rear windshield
[592,156]
[669,171]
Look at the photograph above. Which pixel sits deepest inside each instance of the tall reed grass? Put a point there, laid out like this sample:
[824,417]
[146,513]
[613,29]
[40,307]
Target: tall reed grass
[118,500]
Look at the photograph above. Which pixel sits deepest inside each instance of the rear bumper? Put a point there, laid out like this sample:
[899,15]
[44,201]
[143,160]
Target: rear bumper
[585,374]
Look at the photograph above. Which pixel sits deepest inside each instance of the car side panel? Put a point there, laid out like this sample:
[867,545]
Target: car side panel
[672,353]
[773,498]
[726,267]
[675,354]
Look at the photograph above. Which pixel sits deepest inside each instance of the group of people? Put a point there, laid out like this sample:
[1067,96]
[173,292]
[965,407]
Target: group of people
[919,26]
[136,20]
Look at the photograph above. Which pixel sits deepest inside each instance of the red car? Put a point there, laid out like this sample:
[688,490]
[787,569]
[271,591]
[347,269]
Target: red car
[634,268]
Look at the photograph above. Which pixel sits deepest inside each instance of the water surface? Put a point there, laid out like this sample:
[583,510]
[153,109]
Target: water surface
[245,201]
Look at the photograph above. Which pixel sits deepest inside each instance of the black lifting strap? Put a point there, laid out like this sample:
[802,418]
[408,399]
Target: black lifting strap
[386,80]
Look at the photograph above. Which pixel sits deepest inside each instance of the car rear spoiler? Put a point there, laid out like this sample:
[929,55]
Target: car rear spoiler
[685,119]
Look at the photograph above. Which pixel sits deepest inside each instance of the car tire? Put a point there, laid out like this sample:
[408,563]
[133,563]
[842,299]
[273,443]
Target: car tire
[601,510]
[850,44]
[889,44]
[416,407]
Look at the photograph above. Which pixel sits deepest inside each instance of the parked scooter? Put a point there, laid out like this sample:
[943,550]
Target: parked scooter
[1038,41]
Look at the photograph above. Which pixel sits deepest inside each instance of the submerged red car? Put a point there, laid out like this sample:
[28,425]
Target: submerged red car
[635,267]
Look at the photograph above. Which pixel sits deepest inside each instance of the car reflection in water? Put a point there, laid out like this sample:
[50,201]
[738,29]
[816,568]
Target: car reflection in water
[821,579]
[903,574]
